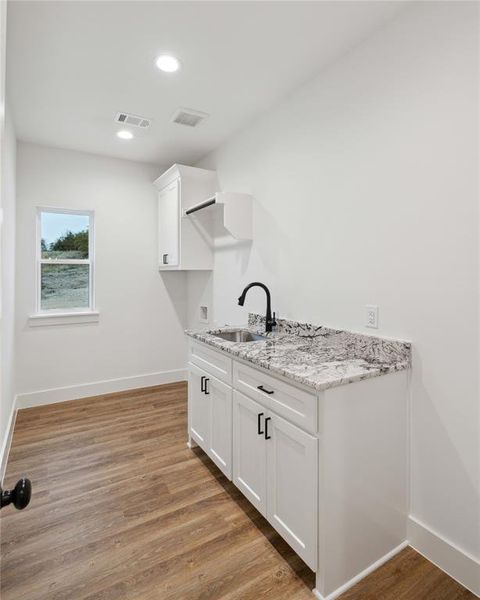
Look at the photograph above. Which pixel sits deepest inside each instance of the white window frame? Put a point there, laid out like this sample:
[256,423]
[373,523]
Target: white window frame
[64,312]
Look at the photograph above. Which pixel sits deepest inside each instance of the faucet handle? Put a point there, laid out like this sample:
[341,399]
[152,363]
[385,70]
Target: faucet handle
[273,322]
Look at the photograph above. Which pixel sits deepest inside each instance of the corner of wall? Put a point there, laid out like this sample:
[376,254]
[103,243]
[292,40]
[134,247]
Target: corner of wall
[455,562]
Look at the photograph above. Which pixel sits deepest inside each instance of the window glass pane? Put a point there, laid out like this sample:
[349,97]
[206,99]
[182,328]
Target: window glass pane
[64,286]
[64,235]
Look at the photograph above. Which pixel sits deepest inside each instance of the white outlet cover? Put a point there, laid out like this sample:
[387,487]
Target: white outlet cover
[371,316]
[203,318]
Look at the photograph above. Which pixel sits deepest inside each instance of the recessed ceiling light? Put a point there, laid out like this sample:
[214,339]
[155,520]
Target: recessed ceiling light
[124,134]
[168,63]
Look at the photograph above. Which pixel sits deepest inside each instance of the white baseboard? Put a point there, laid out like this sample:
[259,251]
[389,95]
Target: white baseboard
[346,586]
[455,562]
[7,441]
[97,388]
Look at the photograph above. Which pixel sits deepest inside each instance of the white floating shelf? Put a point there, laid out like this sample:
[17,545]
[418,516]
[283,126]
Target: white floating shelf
[237,212]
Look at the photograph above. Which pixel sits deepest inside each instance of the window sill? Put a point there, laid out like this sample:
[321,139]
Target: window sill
[71,318]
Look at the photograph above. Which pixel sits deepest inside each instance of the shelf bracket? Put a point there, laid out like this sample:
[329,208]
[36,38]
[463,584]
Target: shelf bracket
[237,212]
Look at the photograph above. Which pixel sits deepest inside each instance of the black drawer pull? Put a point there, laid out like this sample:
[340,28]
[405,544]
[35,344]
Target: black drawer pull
[165,259]
[259,424]
[202,383]
[267,437]
[262,389]
[206,389]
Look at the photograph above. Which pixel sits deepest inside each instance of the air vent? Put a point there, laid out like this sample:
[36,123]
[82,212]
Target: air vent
[133,120]
[189,117]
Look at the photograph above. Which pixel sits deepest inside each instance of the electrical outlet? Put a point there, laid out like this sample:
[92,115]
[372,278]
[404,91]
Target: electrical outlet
[203,318]
[371,316]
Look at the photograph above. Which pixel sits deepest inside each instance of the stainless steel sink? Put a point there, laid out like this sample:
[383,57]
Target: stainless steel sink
[240,336]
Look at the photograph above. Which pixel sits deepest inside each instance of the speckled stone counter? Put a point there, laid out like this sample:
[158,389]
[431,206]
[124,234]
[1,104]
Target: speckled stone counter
[315,356]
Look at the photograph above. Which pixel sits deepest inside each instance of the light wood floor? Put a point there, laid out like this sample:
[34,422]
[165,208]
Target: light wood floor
[122,510]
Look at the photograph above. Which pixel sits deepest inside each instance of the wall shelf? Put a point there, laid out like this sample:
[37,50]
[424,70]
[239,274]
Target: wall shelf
[237,212]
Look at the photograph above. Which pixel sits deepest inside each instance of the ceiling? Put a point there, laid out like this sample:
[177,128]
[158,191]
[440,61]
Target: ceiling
[71,66]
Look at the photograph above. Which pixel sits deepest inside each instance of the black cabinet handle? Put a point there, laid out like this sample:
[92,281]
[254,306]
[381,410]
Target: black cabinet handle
[262,389]
[202,383]
[165,259]
[267,437]
[259,424]
[206,390]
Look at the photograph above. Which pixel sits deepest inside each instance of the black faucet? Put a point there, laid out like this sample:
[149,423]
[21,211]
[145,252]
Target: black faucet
[269,322]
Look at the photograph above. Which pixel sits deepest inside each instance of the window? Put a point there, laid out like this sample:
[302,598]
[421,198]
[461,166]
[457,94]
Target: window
[64,261]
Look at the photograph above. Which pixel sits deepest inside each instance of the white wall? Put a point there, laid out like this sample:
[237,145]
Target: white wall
[7,256]
[8,283]
[140,331]
[366,192]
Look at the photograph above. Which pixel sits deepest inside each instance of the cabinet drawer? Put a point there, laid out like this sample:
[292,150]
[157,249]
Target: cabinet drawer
[215,363]
[297,406]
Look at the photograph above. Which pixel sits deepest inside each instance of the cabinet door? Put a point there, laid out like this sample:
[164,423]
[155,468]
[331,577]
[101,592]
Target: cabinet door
[198,407]
[292,486]
[249,450]
[220,435]
[168,225]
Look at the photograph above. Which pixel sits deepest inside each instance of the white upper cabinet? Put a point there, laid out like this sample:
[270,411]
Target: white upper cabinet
[182,244]
[168,225]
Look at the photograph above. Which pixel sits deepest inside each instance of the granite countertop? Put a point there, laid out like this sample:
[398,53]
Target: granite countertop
[313,355]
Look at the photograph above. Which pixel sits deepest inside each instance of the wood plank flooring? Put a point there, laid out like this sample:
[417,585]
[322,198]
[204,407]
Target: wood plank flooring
[123,510]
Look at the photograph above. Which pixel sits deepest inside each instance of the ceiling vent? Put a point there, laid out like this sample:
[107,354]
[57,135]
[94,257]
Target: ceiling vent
[189,117]
[133,120]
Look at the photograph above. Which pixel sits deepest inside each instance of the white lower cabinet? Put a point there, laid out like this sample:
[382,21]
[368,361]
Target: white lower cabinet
[317,466]
[275,466]
[292,458]
[249,450]
[210,416]
[220,439]
[198,407]
[273,462]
